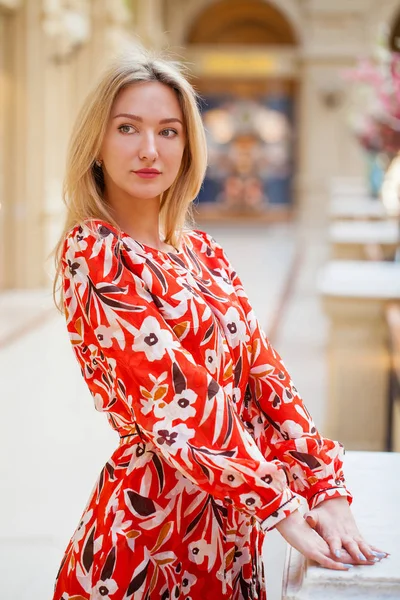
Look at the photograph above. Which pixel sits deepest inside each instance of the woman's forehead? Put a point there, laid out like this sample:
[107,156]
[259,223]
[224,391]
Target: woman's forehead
[147,99]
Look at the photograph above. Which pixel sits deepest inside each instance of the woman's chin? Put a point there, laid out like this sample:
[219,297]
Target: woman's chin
[147,194]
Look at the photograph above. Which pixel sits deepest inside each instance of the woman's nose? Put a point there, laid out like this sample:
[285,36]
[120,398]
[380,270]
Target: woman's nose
[148,149]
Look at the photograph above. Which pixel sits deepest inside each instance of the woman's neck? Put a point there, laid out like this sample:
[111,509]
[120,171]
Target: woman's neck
[140,219]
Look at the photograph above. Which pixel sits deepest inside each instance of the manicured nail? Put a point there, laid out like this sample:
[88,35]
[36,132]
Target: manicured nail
[379,554]
[337,553]
[347,566]
[376,559]
[361,556]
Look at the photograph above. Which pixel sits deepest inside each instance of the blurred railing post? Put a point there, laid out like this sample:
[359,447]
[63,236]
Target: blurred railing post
[355,294]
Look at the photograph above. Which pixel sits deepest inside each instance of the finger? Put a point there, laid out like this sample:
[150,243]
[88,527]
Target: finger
[335,545]
[354,550]
[376,550]
[329,563]
[311,520]
[344,557]
[371,552]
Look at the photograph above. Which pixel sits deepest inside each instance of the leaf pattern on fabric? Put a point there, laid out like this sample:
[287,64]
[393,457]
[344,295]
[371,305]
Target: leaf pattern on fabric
[141,505]
[137,581]
[108,568]
[87,552]
[215,441]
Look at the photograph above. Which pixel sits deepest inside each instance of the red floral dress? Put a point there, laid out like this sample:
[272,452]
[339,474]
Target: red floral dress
[215,443]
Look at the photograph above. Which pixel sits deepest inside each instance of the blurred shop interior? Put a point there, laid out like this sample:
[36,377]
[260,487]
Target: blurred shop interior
[302,113]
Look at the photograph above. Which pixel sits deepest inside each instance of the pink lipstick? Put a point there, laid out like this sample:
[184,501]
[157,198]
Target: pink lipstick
[147,173]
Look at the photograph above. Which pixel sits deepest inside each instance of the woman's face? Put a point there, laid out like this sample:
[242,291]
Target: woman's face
[144,142]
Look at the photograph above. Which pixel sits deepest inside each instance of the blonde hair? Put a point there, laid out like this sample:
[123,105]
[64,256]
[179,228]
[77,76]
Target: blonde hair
[84,184]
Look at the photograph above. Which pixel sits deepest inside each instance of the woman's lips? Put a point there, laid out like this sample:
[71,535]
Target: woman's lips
[147,174]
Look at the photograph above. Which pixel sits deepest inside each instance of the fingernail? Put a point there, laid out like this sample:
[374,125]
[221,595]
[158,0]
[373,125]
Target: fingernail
[376,559]
[337,553]
[379,554]
[361,556]
[347,566]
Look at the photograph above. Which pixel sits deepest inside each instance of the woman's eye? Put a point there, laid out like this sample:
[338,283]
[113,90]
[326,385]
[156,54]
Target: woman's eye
[126,128]
[169,132]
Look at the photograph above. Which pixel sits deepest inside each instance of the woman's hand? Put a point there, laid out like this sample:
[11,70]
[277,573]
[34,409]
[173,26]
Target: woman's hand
[334,522]
[298,533]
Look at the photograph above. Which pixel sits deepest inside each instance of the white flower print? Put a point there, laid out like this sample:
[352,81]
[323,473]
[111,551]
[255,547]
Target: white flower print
[81,242]
[104,335]
[76,267]
[103,589]
[154,341]
[231,479]
[211,361]
[198,551]
[234,327]
[252,501]
[292,429]
[81,529]
[174,439]
[241,557]
[138,457]
[188,581]
[179,408]
[236,395]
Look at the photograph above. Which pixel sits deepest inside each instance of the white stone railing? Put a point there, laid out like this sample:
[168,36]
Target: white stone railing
[373,478]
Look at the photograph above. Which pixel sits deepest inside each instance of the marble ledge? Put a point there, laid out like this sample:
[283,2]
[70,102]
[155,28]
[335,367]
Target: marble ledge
[372,478]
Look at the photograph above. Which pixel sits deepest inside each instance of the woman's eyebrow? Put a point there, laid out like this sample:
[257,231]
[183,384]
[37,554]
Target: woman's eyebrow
[136,118]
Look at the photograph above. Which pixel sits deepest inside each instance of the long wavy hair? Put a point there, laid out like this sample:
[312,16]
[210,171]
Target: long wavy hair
[83,189]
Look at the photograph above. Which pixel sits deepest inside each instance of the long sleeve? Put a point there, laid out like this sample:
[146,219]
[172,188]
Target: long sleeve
[314,463]
[130,355]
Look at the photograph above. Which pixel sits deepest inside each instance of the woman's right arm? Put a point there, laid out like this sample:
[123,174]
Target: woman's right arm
[174,401]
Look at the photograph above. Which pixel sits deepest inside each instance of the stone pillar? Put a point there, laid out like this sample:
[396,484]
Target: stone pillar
[354,296]
[67,29]
[26,249]
[333,40]
[7,151]
[82,37]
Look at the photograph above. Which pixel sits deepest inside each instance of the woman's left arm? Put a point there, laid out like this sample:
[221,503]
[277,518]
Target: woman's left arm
[289,434]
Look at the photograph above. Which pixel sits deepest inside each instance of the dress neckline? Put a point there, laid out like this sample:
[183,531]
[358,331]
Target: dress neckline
[146,247]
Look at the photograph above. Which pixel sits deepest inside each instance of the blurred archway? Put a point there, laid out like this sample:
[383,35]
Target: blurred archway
[249,22]
[246,57]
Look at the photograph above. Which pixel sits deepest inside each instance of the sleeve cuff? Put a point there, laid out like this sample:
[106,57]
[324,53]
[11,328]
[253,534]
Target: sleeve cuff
[289,503]
[328,494]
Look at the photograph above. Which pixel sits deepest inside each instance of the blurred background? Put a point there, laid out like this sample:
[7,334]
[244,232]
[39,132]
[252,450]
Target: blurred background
[301,103]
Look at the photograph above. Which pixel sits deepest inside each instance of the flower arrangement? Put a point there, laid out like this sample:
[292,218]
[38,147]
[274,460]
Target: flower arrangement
[375,118]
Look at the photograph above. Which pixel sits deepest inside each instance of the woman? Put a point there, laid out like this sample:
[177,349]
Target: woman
[216,447]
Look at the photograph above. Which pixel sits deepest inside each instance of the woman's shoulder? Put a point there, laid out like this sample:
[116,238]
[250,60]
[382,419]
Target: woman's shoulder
[85,234]
[95,227]
[203,241]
